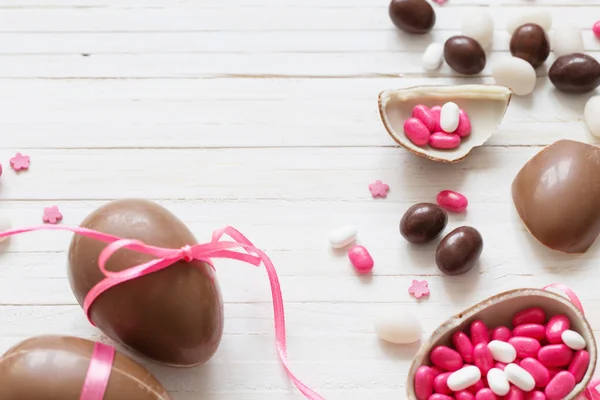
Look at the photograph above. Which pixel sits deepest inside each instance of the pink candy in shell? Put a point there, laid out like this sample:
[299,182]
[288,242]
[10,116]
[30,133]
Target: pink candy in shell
[555,355]
[596,29]
[424,114]
[540,374]
[438,396]
[483,358]
[464,124]
[485,394]
[533,315]
[535,395]
[440,383]
[579,364]
[514,394]
[464,395]
[525,346]
[443,140]
[555,328]
[463,345]
[424,382]
[437,113]
[452,201]
[501,333]
[479,333]
[445,358]
[535,331]
[361,259]
[416,131]
[560,386]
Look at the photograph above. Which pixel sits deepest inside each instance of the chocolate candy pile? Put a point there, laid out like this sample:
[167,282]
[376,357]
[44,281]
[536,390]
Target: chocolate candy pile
[538,359]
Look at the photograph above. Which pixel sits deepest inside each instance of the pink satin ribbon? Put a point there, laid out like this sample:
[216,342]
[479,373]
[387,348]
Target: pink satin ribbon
[96,380]
[164,258]
[591,392]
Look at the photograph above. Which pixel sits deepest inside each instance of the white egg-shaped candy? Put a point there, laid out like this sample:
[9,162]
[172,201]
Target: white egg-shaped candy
[463,378]
[449,117]
[516,74]
[502,351]
[342,236]
[519,377]
[566,39]
[573,339]
[479,25]
[591,114]
[5,225]
[433,56]
[498,382]
[400,327]
[542,18]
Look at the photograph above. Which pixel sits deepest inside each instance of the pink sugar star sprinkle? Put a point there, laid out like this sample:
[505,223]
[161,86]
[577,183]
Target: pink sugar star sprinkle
[19,162]
[52,215]
[419,289]
[379,189]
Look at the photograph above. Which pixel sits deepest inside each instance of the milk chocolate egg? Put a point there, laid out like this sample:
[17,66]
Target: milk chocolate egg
[173,316]
[412,16]
[575,73]
[530,43]
[55,367]
[464,55]
[557,195]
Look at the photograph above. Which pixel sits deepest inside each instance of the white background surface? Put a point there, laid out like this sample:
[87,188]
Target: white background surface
[262,114]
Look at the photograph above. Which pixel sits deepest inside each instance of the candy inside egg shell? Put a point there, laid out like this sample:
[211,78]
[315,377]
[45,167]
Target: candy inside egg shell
[485,105]
[500,310]
[55,367]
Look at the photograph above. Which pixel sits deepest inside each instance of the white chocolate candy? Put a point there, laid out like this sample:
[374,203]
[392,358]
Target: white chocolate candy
[566,39]
[502,351]
[498,382]
[591,114]
[433,56]
[399,327]
[342,236]
[516,74]
[5,225]
[542,18]
[449,117]
[464,377]
[479,25]
[519,377]
[573,339]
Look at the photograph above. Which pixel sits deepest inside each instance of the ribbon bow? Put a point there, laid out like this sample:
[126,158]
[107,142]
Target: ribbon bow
[164,258]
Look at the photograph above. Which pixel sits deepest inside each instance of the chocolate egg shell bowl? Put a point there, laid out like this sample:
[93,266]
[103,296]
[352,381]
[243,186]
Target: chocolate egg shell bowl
[485,105]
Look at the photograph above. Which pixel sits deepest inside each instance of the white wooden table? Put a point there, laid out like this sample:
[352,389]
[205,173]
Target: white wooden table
[262,114]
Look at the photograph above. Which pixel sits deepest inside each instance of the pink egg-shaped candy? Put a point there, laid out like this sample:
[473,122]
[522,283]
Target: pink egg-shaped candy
[500,365]
[452,201]
[424,114]
[553,371]
[514,393]
[555,328]
[361,259]
[536,331]
[540,373]
[440,383]
[416,131]
[596,29]
[464,124]
[436,111]
[464,395]
[446,358]
[535,395]
[555,355]
[560,386]
[483,358]
[477,387]
[485,394]
[579,364]
[424,382]
[525,346]
[436,371]
[463,345]
[443,140]
[533,315]
[439,396]
[479,333]
[501,333]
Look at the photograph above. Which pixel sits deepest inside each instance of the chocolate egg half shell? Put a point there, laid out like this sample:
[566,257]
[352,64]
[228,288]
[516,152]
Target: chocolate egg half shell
[173,316]
[485,105]
[557,196]
[55,367]
[499,310]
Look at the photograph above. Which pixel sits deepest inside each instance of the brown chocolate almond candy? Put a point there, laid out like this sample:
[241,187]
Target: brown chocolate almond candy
[423,222]
[55,367]
[464,55]
[557,195]
[530,43]
[173,316]
[412,16]
[459,250]
[575,73]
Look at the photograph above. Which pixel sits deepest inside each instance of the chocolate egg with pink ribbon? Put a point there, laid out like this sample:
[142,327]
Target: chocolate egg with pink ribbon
[69,368]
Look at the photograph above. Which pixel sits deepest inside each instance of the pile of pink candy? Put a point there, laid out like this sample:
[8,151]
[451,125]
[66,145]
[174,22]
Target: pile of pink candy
[442,127]
[534,361]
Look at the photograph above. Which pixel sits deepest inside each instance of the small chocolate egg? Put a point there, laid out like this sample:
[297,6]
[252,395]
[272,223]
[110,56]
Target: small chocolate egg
[412,16]
[173,316]
[464,55]
[575,73]
[423,222]
[458,252]
[530,43]
[55,367]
